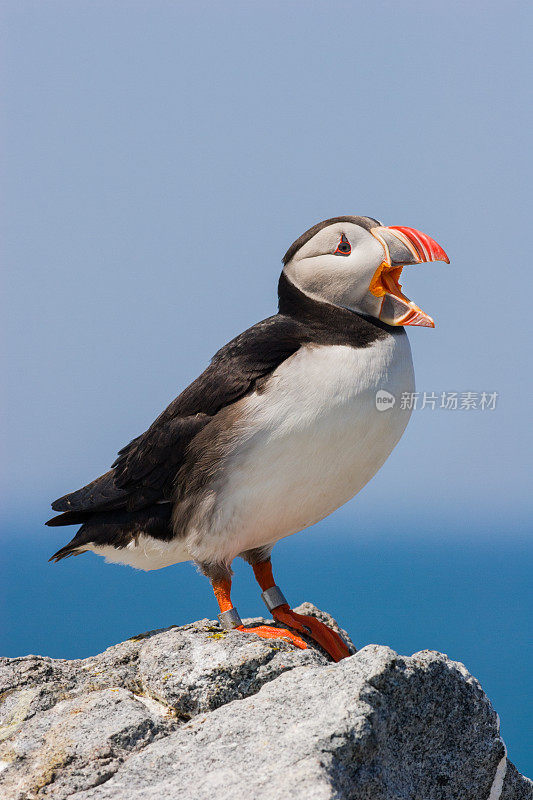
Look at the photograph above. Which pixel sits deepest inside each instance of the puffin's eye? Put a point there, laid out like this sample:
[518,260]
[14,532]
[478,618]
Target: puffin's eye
[344,247]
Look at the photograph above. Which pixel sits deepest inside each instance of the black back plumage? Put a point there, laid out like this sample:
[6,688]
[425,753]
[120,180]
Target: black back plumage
[136,494]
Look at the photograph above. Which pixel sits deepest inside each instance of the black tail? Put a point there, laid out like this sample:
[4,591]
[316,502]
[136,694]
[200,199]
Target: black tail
[115,528]
[69,518]
[99,494]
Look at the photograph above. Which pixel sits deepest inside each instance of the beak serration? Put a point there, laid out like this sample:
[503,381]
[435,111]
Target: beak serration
[408,246]
[425,247]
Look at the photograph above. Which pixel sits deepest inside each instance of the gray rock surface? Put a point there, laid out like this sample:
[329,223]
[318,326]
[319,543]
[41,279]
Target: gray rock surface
[194,712]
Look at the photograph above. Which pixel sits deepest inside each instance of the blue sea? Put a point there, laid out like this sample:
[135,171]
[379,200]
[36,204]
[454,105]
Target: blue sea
[465,593]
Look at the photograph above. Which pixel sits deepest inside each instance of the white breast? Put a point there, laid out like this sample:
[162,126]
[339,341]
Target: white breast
[307,444]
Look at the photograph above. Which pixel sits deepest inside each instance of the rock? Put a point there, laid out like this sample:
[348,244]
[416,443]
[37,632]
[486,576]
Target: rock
[192,712]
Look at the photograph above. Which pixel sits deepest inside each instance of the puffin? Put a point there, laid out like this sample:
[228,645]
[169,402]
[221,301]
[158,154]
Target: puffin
[281,428]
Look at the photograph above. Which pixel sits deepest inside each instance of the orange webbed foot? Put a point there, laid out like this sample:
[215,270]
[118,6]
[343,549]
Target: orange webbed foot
[327,638]
[267,632]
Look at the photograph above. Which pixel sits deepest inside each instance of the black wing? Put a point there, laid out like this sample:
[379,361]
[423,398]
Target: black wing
[146,468]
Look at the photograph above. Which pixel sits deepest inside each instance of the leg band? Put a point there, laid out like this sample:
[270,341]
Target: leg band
[273,597]
[230,619]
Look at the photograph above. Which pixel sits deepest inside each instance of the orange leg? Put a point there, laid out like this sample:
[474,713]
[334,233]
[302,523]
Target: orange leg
[327,638]
[229,617]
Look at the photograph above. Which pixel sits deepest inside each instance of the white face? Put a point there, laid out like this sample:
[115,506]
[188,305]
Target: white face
[340,278]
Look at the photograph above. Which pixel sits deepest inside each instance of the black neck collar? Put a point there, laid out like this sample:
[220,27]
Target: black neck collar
[298,305]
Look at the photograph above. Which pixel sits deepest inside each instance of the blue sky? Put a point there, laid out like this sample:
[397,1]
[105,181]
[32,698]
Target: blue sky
[158,159]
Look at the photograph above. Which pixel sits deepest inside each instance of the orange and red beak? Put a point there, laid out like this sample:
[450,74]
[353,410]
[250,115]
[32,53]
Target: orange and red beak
[402,246]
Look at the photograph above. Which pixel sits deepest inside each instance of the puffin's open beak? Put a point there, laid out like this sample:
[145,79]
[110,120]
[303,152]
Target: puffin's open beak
[402,246]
